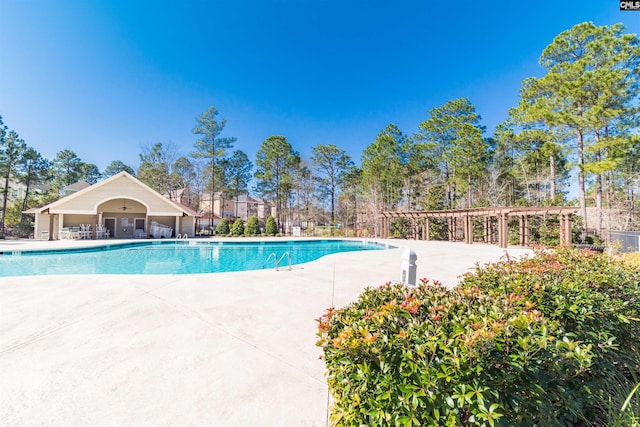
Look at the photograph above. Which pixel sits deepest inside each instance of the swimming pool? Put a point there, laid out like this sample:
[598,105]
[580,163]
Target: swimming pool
[173,257]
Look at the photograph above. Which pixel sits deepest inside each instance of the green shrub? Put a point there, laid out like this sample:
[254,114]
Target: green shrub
[400,228]
[337,231]
[271,228]
[223,227]
[22,229]
[524,343]
[253,226]
[632,258]
[439,229]
[549,231]
[593,297]
[237,229]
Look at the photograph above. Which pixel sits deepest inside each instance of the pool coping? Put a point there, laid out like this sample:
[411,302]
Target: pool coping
[93,245]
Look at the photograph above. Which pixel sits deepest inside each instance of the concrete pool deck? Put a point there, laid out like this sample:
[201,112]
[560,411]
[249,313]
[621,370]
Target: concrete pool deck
[223,349]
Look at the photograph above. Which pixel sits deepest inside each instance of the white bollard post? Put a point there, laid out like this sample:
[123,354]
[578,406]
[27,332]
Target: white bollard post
[408,268]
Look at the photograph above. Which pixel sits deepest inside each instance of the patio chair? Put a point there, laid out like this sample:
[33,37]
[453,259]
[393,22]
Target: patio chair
[74,233]
[65,233]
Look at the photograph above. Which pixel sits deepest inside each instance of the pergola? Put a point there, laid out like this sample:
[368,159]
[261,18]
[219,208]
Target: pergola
[494,220]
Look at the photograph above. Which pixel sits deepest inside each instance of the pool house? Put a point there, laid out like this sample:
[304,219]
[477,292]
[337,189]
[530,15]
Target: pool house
[120,206]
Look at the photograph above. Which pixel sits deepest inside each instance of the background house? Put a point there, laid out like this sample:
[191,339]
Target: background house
[243,207]
[17,190]
[73,188]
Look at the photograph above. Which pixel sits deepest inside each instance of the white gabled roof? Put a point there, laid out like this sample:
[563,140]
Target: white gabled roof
[171,206]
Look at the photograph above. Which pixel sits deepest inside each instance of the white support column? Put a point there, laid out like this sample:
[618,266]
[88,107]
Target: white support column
[60,223]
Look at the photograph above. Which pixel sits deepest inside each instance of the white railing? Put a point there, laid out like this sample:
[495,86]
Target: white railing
[286,254]
[275,258]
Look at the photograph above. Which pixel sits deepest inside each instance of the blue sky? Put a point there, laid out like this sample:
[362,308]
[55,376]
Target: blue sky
[103,78]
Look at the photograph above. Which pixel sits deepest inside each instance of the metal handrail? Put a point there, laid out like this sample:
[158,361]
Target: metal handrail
[288,255]
[274,256]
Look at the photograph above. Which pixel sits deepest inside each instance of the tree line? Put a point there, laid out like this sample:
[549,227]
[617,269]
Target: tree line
[582,114]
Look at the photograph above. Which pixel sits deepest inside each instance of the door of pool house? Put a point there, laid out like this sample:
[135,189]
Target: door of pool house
[110,224]
[139,223]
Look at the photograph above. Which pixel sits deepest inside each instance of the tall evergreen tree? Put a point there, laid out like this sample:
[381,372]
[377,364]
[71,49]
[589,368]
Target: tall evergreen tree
[66,167]
[304,196]
[382,166]
[539,131]
[348,201]
[183,176]
[33,169]
[239,169]
[90,173]
[330,163]
[210,145]
[12,148]
[115,167]
[453,135]
[276,162]
[155,167]
[592,80]
[383,171]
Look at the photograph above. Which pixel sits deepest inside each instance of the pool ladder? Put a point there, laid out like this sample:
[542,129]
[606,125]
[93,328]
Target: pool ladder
[278,261]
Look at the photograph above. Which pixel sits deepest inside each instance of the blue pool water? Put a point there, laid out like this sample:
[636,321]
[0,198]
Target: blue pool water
[172,257]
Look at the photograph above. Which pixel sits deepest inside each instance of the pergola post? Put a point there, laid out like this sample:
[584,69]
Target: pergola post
[505,226]
[524,230]
[387,227]
[384,229]
[565,229]
[521,230]
[415,227]
[503,230]
[569,223]
[468,229]
[427,229]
